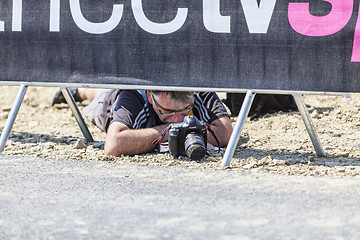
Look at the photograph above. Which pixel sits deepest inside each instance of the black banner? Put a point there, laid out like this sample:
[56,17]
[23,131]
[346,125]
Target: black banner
[242,44]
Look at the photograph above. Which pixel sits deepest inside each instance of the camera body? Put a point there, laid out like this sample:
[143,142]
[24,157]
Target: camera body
[188,138]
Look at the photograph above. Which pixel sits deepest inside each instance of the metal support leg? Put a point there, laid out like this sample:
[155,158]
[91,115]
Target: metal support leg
[12,115]
[76,112]
[234,139]
[309,125]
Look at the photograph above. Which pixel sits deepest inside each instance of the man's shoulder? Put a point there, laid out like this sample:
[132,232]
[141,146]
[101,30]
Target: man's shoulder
[207,96]
[136,95]
[132,100]
[203,94]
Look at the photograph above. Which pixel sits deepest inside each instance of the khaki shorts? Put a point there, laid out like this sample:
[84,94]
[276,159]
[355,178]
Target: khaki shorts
[94,110]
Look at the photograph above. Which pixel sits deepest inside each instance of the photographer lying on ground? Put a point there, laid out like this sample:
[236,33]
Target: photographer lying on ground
[133,119]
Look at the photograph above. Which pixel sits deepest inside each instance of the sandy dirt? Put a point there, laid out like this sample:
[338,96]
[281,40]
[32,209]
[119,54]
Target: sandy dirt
[276,143]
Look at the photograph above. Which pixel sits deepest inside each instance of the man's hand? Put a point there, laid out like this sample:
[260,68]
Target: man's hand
[122,140]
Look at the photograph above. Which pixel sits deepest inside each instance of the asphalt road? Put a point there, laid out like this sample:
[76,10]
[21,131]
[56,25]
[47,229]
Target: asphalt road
[71,199]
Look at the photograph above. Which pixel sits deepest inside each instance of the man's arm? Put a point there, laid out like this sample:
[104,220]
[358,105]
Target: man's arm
[120,139]
[222,128]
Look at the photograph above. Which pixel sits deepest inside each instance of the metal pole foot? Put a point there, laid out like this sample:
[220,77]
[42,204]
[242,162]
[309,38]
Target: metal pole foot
[12,115]
[235,136]
[76,112]
[309,125]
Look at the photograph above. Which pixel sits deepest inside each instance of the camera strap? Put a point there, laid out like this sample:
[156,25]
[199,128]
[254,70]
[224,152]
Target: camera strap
[158,140]
[213,133]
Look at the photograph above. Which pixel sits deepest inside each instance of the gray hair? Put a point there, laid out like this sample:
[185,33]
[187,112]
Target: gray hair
[187,97]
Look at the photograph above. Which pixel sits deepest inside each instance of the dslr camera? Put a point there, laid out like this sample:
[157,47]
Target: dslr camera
[188,138]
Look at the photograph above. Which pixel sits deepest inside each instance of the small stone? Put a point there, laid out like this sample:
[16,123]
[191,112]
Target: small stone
[311,159]
[329,148]
[249,166]
[99,144]
[252,160]
[211,159]
[251,163]
[48,145]
[79,144]
[343,155]
[3,115]
[6,108]
[337,112]
[35,149]
[315,113]
[276,162]
[291,161]
[226,168]
[63,140]
[266,160]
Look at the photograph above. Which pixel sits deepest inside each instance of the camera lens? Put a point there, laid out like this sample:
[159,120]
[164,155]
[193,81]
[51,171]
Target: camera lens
[195,146]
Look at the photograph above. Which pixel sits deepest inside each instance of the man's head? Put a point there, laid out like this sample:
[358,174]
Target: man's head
[171,106]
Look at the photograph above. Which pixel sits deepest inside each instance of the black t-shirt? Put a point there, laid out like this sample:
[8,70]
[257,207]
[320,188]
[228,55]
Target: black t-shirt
[133,109]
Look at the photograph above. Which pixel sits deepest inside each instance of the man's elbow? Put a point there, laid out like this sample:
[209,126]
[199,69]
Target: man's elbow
[114,142]
[226,136]
[112,150]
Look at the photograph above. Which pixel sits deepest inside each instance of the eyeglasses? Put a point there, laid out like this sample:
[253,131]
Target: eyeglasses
[167,112]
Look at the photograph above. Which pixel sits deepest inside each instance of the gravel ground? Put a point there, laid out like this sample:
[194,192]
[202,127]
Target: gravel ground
[81,199]
[276,143]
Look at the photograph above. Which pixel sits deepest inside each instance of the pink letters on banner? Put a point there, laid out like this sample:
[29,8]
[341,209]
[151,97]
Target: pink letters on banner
[356,45]
[303,22]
